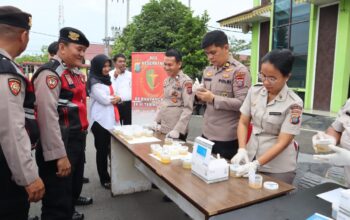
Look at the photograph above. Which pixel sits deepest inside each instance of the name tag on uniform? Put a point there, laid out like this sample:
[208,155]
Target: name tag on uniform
[207,79]
[225,81]
[275,113]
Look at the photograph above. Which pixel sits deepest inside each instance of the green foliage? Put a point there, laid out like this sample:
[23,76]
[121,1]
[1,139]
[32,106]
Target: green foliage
[43,57]
[237,45]
[165,24]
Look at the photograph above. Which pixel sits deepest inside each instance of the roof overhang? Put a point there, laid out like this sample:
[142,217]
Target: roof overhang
[316,2]
[246,18]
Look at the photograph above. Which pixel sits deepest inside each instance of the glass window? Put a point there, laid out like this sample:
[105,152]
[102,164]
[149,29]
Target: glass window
[282,12]
[291,30]
[297,79]
[301,12]
[281,37]
[299,38]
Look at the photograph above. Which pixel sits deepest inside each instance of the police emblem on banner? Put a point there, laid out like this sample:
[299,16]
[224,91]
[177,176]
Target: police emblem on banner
[51,81]
[296,111]
[14,86]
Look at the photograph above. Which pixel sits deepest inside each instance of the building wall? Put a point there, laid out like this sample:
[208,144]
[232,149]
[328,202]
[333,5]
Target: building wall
[342,58]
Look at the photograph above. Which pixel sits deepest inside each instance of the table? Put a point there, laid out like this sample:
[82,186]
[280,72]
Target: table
[133,170]
[299,205]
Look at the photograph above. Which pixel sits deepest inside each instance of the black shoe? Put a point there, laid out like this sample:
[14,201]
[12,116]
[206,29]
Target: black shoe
[167,199]
[77,216]
[33,218]
[106,185]
[83,201]
[86,180]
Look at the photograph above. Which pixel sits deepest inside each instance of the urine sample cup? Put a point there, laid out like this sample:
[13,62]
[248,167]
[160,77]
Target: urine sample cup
[255,181]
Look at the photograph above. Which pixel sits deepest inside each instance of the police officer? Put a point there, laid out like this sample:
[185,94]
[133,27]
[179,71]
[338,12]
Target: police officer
[61,106]
[19,179]
[275,112]
[226,84]
[177,105]
[339,131]
[52,49]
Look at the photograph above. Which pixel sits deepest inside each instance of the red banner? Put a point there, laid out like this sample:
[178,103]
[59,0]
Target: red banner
[148,75]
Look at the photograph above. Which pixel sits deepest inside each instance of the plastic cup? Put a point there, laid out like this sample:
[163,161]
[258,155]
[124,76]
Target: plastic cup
[233,170]
[255,181]
[165,158]
[187,163]
[183,150]
[168,141]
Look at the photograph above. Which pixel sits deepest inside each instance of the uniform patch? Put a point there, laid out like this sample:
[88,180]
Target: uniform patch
[240,75]
[296,111]
[225,75]
[239,78]
[69,79]
[225,81]
[174,94]
[174,99]
[14,86]
[188,86]
[224,94]
[240,82]
[51,81]
[209,74]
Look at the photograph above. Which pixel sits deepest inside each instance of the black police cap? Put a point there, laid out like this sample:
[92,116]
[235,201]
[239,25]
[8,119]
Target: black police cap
[73,35]
[15,17]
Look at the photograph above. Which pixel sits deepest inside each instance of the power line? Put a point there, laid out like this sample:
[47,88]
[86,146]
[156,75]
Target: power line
[55,36]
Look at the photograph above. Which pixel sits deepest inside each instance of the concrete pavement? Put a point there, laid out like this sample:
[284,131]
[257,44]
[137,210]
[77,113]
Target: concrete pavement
[149,205]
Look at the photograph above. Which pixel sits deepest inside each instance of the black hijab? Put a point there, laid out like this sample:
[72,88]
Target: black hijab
[95,73]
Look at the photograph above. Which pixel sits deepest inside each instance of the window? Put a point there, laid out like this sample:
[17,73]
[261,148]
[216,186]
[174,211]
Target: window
[291,30]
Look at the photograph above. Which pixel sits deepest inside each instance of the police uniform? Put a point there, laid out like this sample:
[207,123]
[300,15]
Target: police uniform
[342,125]
[17,167]
[230,85]
[177,105]
[281,115]
[62,117]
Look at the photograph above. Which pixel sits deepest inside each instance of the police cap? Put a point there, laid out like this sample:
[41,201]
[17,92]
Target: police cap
[73,35]
[15,17]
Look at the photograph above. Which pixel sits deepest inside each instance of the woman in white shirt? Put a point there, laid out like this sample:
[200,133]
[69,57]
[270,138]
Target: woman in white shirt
[103,113]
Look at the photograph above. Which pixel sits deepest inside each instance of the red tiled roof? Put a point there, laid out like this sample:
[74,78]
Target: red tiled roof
[95,49]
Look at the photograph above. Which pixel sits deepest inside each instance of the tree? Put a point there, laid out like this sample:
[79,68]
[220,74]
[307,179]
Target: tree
[42,58]
[237,45]
[165,24]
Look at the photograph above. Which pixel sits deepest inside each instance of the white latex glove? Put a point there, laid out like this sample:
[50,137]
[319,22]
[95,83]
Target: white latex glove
[173,134]
[244,169]
[155,126]
[196,85]
[241,155]
[341,157]
[321,142]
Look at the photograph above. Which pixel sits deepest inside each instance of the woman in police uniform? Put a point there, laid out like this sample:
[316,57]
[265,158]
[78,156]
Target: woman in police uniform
[275,112]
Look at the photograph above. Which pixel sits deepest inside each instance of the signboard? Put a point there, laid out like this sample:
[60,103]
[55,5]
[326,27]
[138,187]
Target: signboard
[148,75]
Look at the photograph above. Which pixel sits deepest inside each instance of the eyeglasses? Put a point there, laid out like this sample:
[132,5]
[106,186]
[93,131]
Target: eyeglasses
[271,79]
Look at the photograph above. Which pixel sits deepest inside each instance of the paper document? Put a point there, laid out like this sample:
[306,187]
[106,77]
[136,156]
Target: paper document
[331,196]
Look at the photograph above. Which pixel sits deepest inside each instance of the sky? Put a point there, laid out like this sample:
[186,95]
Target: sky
[89,16]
